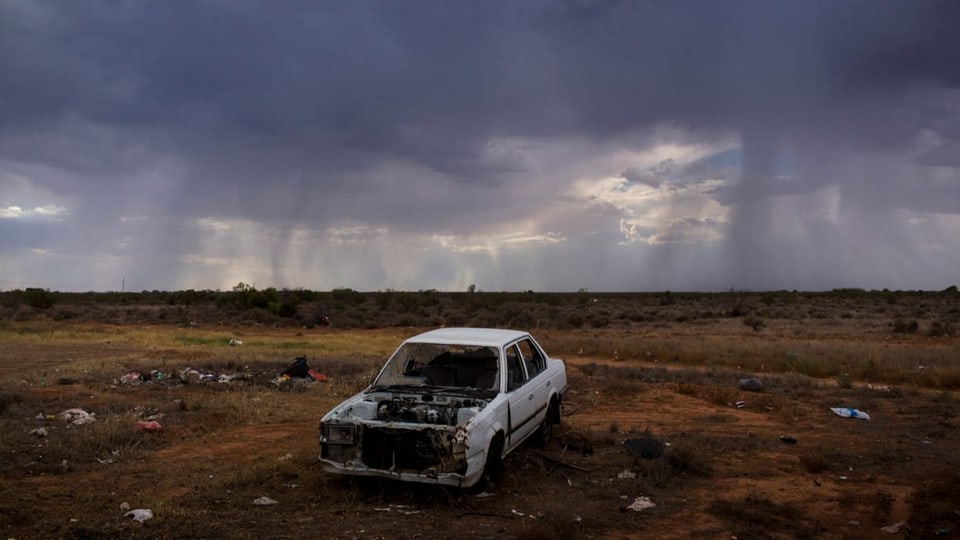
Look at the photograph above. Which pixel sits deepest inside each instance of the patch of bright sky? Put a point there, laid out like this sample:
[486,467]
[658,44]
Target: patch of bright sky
[672,212]
[21,199]
[937,232]
[353,234]
[50,211]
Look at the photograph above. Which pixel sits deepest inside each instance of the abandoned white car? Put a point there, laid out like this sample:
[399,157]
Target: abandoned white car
[446,408]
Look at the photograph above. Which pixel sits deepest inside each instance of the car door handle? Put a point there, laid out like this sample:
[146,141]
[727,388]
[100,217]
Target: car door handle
[548,383]
[530,396]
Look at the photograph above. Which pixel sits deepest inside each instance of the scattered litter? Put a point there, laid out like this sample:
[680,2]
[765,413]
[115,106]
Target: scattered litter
[264,501]
[740,404]
[234,342]
[151,425]
[521,514]
[484,495]
[131,378]
[853,522]
[76,417]
[644,447]
[285,457]
[943,532]
[140,514]
[626,474]
[110,461]
[189,373]
[402,508]
[895,528]
[298,372]
[847,412]
[752,384]
[298,368]
[185,376]
[39,432]
[640,504]
[787,439]
[124,506]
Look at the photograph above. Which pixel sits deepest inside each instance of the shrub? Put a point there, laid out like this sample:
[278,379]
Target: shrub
[904,327]
[599,321]
[689,459]
[815,461]
[940,329]
[753,322]
[39,298]
[667,299]
[7,399]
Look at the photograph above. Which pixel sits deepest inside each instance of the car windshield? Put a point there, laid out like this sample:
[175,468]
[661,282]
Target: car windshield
[441,365]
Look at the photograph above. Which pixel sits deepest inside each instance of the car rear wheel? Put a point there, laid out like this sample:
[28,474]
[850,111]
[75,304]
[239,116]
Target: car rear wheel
[545,431]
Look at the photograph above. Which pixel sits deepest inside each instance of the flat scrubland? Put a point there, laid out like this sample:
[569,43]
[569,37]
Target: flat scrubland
[774,463]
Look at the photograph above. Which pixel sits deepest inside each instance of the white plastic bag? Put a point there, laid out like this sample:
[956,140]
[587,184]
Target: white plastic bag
[140,514]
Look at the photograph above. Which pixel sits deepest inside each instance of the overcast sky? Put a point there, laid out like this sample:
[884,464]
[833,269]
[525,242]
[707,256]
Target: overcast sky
[546,145]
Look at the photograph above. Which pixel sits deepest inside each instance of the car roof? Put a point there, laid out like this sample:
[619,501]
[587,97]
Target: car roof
[490,337]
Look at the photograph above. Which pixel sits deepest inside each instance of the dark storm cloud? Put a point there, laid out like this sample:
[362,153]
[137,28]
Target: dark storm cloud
[350,75]
[303,112]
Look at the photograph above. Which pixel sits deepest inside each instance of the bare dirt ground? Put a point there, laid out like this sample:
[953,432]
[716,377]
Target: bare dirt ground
[728,471]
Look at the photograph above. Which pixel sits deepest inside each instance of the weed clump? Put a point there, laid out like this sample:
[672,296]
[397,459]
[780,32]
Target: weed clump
[689,459]
[7,399]
[815,460]
[559,527]
[934,506]
[905,327]
[755,513]
[940,329]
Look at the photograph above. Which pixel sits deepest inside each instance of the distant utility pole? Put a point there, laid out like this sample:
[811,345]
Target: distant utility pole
[123,283]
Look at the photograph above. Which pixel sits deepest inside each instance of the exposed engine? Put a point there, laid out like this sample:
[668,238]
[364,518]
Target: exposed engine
[403,410]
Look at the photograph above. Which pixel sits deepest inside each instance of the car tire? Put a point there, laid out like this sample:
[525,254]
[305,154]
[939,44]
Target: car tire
[545,431]
[494,462]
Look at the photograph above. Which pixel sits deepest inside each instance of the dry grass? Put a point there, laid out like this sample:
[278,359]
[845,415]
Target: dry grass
[661,364]
[757,516]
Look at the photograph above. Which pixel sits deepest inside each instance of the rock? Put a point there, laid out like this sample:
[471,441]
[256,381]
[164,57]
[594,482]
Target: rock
[644,447]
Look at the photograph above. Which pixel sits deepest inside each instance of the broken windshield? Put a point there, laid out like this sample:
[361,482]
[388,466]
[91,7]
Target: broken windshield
[441,365]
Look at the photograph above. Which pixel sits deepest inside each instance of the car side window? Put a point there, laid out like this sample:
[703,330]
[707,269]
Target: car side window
[516,375]
[532,357]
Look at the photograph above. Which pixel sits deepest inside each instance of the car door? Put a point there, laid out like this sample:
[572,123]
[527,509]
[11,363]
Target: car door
[538,381]
[521,416]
